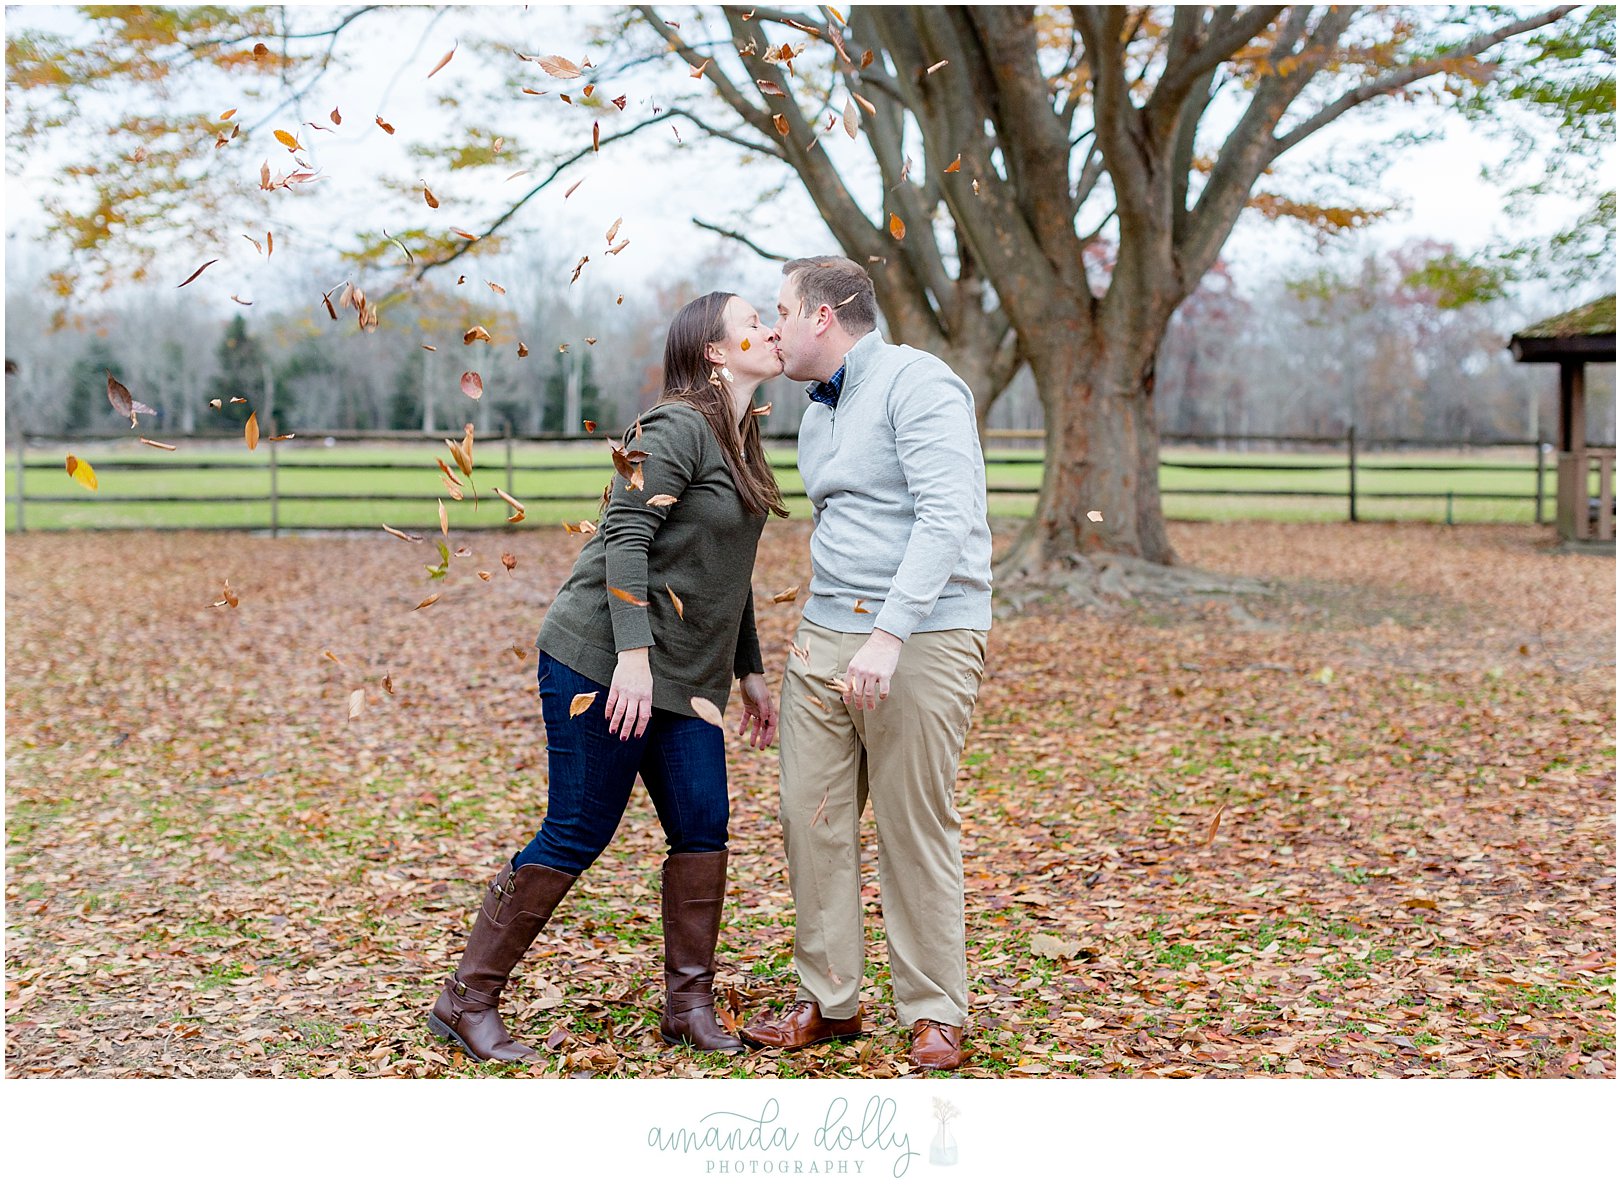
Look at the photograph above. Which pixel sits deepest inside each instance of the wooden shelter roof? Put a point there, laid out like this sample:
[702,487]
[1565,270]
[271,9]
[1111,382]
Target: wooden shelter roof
[1583,335]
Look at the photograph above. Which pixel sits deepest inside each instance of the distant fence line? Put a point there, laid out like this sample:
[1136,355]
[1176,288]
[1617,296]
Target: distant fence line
[1349,448]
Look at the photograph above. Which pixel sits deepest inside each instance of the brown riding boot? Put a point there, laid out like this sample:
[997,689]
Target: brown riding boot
[694,894]
[515,909]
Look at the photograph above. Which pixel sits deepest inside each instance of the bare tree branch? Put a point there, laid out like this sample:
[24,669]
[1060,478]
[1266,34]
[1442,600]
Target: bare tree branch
[776,257]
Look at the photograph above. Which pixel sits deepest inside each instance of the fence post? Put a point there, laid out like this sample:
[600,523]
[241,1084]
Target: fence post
[270,431]
[1449,509]
[275,503]
[22,445]
[1350,449]
[1542,467]
[509,459]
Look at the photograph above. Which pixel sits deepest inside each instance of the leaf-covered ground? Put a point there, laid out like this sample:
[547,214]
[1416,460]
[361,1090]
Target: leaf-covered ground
[1362,825]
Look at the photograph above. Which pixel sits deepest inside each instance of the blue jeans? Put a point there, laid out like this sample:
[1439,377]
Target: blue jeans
[682,762]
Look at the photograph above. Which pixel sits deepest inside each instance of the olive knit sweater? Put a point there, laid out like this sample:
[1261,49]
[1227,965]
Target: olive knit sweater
[700,549]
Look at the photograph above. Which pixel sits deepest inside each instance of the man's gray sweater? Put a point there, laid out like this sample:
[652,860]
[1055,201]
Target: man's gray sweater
[897,488]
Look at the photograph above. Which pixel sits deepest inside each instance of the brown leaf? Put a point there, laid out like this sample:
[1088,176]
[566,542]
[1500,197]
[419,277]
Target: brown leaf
[385,125]
[781,121]
[427,196]
[663,501]
[865,105]
[940,65]
[568,193]
[428,601]
[260,49]
[698,71]
[523,349]
[621,594]
[680,610]
[426,347]
[467,235]
[557,66]
[388,683]
[1215,823]
[472,384]
[579,703]
[336,117]
[483,575]
[157,445]
[596,137]
[444,519]
[406,536]
[614,230]
[708,711]
[590,426]
[123,403]
[761,410]
[444,61]
[196,274]
[250,431]
[866,59]
[517,508]
[511,563]
[496,289]
[791,594]
[476,334]
[619,247]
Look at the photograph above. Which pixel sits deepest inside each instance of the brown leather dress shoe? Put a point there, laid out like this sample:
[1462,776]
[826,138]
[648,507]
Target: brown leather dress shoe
[936,1045]
[801,1025]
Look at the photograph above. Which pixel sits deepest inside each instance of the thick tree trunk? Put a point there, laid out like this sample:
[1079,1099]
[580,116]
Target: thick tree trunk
[1102,454]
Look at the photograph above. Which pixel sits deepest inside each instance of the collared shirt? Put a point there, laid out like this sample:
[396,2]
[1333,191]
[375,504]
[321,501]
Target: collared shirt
[828,391]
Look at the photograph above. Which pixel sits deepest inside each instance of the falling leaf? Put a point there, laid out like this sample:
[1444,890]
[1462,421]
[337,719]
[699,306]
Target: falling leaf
[82,472]
[250,431]
[590,426]
[428,601]
[532,91]
[499,290]
[976,187]
[680,610]
[260,49]
[698,72]
[214,404]
[385,125]
[483,575]
[196,274]
[388,683]
[287,139]
[1095,516]
[238,400]
[558,66]
[619,102]
[477,333]
[426,347]
[860,607]
[139,155]
[228,597]
[123,403]
[579,703]
[568,193]
[955,165]
[866,59]
[596,137]
[520,652]
[357,702]
[239,300]
[761,410]
[444,519]
[332,656]
[468,235]
[520,173]
[794,649]
[767,87]
[472,384]
[590,342]
[157,445]
[511,563]
[444,61]
[622,595]
[865,105]
[463,551]
[788,595]
[517,508]
[940,65]
[336,118]
[706,710]
[282,437]
[614,230]
[852,118]
[744,344]
[663,501]
[781,121]
[896,227]
[406,536]
[523,350]
[1215,822]
[427,196]
[227,114]
[619,247]
[584,260]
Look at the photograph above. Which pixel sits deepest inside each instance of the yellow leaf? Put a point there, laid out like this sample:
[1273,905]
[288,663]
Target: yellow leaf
[82,472]
[250,431]
[288,139]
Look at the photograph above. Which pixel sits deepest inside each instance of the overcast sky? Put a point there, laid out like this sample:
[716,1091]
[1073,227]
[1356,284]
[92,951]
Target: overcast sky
[650,182]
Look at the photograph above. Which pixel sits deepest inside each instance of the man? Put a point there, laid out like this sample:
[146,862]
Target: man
[895,628]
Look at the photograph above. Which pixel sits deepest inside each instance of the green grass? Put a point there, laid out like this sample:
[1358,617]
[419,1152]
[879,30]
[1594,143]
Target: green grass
[128,469]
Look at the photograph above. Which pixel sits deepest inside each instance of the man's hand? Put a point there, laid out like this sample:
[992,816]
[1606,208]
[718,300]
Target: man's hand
[758,710]
[630,696]
[870,669]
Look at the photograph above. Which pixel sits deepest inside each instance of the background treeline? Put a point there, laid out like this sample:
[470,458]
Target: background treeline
[1363,343]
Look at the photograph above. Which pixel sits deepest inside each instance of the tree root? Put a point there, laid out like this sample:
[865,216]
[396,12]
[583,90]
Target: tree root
[1108,583]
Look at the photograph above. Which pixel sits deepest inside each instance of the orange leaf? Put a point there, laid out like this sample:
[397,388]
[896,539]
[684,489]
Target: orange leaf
[477,333]
[427,196]
[865,105]
[706,710]
[781,121]
[860,607]
[227,114]
[517,508]
[680,611]
[788,595]
[444,61]
[465,234]
[250,431]
[288,139]
[955,165]
[570,191]
[336,118]
[428,601]
[511,563]
[896,227]
[385,125]
[388,683]
[472,384]
[596,137]
[624,597]
[590,426]
[579,703]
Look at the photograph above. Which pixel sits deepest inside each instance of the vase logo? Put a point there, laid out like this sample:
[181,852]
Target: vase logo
[943,1147]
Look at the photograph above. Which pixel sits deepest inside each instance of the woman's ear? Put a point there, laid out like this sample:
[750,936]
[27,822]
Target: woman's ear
[714,354]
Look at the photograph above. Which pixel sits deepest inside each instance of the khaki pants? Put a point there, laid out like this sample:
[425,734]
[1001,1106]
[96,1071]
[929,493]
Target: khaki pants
[903,756]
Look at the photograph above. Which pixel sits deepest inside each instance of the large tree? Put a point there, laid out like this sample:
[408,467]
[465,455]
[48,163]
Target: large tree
[1077,170]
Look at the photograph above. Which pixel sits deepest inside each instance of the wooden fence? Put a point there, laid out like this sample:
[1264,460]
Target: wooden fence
[1345,455]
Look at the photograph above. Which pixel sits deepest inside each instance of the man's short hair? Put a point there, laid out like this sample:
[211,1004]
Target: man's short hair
[839,283]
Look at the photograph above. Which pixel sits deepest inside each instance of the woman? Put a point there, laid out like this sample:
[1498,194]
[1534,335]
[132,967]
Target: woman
[657,612]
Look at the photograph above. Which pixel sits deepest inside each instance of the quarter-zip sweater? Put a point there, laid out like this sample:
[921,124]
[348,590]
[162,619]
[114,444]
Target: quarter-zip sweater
[700,549]
[896,482]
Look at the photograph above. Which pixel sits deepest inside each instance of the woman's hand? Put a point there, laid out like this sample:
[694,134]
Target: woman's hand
[630,696]
[758,710]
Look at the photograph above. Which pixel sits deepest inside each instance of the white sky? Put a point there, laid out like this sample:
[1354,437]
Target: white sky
[652,184]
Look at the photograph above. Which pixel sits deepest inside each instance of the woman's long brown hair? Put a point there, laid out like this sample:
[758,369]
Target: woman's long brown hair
[687,378]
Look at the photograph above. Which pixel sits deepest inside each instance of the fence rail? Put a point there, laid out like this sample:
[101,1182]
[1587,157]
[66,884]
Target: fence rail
[1349,459]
